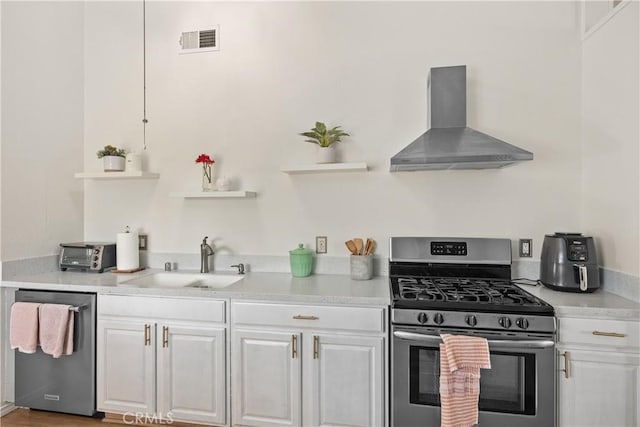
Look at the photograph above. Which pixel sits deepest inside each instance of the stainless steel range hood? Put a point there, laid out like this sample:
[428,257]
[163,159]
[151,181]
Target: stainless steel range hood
[449,143]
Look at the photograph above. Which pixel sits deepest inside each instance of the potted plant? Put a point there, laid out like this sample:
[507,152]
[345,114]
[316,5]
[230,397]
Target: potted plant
[325,138]
[113,158]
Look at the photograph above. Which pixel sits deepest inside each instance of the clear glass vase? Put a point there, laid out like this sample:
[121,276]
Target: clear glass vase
[207,177]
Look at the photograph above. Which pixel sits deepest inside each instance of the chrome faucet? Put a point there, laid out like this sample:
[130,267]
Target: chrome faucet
[240,268]
[205,252]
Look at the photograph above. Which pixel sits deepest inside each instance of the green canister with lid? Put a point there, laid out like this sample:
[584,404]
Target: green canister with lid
[301,260]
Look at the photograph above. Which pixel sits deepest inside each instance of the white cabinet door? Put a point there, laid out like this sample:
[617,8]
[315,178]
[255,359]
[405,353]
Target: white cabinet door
[126,367]
[602,389]
[266,377]
[346,387]
[191,373]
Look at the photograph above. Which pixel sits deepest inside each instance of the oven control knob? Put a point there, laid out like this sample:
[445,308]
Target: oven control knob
[522,323]
[438,319]
[505,322]
[471,320]
[422,318]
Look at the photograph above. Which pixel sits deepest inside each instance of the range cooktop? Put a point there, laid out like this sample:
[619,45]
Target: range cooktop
[472,294]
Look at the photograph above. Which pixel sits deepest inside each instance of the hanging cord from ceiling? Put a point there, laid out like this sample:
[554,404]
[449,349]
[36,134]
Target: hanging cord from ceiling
[144,75]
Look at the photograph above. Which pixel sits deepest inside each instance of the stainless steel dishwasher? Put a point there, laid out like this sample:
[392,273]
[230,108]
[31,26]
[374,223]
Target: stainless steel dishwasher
[66,384]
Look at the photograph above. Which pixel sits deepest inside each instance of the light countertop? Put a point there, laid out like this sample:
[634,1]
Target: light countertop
[598,304]
[319,288]
[316,289]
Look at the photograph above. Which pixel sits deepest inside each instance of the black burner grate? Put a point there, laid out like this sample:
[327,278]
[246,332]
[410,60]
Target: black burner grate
[462,290]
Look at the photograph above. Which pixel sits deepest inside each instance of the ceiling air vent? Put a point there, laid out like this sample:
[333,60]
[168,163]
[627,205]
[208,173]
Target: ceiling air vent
[200,41]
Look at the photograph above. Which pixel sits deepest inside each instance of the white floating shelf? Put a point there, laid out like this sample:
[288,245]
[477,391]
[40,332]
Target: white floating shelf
[325,168]
[216,195]
[116,175]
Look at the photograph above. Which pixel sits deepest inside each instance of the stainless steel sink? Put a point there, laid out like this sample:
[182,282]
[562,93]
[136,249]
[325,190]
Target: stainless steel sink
[182,280]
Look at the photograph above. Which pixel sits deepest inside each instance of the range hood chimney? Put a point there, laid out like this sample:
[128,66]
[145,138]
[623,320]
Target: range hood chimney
[449,143]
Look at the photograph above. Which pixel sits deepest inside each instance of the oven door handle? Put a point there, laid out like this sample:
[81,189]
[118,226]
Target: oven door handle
[435,339]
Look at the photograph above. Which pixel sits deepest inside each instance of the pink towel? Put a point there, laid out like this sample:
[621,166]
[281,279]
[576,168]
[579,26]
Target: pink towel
[23,326]
[56,329]
[461,358]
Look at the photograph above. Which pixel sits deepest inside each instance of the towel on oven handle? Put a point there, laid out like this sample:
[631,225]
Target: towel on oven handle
[461,358]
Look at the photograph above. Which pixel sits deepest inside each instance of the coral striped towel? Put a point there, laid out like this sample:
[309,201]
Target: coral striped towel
[461,358]
[23,326]
[56,329]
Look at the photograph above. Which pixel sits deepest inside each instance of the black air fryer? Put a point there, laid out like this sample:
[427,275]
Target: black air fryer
[569,263]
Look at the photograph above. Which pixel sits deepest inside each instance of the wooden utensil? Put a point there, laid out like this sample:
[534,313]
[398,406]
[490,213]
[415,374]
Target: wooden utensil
[359,245]
[368,247]
[352,247]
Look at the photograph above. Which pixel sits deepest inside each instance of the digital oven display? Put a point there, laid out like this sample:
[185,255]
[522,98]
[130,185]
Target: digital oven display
[449,248]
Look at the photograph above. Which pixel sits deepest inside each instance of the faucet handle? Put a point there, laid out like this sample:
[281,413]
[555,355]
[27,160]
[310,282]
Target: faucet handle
[240,268]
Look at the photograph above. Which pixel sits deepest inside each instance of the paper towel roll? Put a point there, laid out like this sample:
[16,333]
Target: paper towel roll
[127,257]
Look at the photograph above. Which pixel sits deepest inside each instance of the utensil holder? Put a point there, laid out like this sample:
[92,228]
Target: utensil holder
[361,267]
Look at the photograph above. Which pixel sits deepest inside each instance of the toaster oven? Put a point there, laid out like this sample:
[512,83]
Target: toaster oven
[88,256]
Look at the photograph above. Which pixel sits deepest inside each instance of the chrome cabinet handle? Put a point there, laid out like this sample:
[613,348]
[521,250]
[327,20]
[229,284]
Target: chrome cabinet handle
[294,346]
[316,340]
[609,334]
[301,317]
[147,335]
[165,336]
[566,364]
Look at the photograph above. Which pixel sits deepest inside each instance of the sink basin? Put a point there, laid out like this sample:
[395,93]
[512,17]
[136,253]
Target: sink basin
[182,280]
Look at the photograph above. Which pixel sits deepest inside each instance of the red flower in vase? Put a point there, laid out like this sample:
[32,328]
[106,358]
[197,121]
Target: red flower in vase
[204,158]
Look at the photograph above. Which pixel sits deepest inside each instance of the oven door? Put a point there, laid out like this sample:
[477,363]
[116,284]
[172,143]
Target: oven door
[519,389]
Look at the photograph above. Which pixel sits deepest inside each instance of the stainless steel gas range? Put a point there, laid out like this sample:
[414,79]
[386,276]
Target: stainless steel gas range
[463,286]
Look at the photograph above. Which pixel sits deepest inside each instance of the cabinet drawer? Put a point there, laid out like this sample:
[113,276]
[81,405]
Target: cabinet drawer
[163,308]
[610,333]
[363,319]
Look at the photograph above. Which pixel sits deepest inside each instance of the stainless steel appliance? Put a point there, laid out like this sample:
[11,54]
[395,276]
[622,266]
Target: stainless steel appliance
[463,286]
[569,263]
[66,384]
[88,256]
[449,143]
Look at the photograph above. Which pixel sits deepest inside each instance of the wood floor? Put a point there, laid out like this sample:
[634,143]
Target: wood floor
[30,418]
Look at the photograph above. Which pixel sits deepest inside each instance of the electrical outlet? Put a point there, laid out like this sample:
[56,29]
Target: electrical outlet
[321,244]
[142,242]
[526,248]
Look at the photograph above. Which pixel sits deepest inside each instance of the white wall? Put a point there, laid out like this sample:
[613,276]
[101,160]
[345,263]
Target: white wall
[42,118]
[611,139]
[361,65]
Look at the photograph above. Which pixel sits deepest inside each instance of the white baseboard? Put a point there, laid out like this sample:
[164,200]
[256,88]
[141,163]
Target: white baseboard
[7,407]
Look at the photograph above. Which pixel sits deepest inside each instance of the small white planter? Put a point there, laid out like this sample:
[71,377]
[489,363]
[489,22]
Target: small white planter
[326,155]
[113,163]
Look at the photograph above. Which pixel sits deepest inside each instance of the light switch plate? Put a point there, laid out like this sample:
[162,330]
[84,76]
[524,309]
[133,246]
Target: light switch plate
[321,244]
[526,248]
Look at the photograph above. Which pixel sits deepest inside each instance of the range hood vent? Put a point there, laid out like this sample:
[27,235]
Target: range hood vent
[449,143]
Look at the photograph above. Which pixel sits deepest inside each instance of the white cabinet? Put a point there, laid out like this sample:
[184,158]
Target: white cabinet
[299,365]
[599,377]
[127,366]
[267,374]
[191,373]
[162,357]
[346,384]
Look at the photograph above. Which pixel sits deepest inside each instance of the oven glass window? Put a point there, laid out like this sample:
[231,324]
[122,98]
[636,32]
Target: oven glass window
[509,386]
[76,255]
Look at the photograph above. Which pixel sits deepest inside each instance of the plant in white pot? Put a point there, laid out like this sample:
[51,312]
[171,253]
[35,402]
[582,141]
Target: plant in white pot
[113,158]
[325,138]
